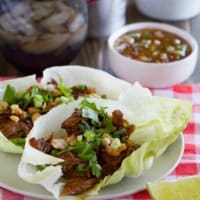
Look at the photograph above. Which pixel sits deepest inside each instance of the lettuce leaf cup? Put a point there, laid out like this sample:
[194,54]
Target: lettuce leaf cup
[20,84]
[78,148]
[23,100]
[104,83]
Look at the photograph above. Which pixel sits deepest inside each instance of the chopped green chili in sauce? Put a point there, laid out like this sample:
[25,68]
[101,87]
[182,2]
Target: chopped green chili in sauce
[150,45]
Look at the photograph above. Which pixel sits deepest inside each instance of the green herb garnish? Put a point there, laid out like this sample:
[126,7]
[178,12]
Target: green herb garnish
[119,132]
[80,168]
[104,96]
[95,122]
[90,114]
[95,167]
[81,87]
[38,101]
[18,141]
[66,91]
[10,95]
[41,167]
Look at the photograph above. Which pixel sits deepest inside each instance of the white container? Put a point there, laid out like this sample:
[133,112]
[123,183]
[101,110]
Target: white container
[169,9]
[152,75]
[105,17]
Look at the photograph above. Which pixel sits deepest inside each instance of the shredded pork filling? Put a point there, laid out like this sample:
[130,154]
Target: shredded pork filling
[19,111]
[14,129]
[93,147]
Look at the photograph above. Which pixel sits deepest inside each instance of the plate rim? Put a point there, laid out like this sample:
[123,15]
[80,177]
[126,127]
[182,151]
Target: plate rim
[181,138]
[50,196]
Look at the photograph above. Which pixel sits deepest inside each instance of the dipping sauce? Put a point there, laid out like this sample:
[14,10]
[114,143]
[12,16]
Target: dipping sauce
[152,45]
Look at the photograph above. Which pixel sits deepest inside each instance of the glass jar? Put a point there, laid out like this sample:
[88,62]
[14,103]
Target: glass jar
[105,17]
[35,34]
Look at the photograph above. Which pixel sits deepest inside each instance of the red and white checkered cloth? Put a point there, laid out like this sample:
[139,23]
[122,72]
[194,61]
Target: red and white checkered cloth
[190,161]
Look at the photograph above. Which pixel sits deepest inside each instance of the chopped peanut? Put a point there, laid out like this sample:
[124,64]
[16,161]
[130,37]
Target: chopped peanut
[56,93]
[14,106]
[3,106]
[24,115]
[123,147]
[111,151]
[58,143]
[35,116]
[57,100]
[14,118]
[44,106]
[125,123]
[115,152]
[16,109]
[71,140]
[105,141]
[32,110]
[106,135]
[50,105]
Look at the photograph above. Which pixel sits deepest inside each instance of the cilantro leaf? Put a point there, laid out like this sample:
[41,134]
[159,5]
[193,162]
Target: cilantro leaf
[119,132]
[84,125]
[91,114]
[107,122]
[104,96]
[55,152]
[10,95]
[25,100]
[34,91]
[18,141]
[85,156]
[89,135]
[91,105]
[80,168]
[66,91]
[41,167]
[90,110]
[81,87]
[96,169]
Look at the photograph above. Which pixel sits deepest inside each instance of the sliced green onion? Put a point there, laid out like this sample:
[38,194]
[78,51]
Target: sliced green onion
[89,135]
[38,101]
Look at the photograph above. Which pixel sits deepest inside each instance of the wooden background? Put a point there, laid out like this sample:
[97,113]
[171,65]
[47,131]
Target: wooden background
[94,54]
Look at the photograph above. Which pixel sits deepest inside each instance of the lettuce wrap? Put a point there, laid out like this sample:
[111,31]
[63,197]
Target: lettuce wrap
[157,121]
[20,84]
[104,84]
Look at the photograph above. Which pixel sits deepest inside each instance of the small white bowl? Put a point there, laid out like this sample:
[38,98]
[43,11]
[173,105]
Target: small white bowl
[152,75]
[169,9]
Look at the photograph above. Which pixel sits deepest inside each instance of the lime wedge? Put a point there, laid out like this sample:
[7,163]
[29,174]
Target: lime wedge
[181,189]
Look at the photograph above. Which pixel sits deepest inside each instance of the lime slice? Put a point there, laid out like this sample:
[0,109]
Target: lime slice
[181,189]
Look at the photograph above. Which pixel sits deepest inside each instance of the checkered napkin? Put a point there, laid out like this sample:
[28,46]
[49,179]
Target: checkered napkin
[190,161]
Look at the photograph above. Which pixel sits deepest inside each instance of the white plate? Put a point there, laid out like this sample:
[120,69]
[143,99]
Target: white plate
[163,166]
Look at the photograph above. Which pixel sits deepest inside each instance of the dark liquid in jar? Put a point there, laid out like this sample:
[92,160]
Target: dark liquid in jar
[31,63]
[38,34]
[152,45]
